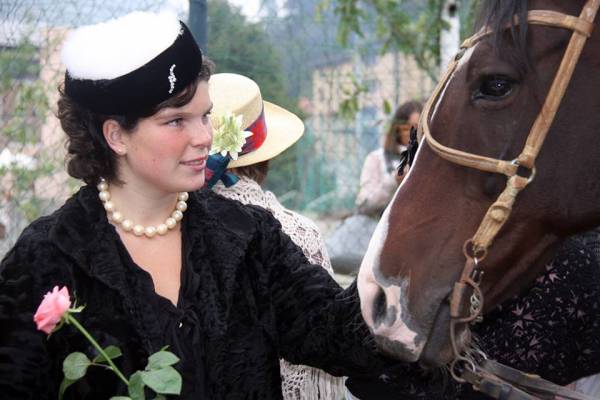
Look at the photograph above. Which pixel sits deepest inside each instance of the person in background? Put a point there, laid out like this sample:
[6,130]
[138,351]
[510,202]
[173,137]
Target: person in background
[236,96]
[380,176]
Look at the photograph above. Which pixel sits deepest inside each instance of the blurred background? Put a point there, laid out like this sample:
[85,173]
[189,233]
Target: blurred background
[342,65]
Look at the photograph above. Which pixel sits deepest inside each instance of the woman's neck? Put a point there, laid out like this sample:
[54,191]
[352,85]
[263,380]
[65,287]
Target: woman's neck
[141,205]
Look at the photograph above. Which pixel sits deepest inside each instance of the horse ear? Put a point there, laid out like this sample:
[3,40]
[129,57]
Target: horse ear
[407,157]
[413,146]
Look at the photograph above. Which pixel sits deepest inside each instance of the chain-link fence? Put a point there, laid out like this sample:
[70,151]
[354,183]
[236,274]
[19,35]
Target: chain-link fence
[325,164]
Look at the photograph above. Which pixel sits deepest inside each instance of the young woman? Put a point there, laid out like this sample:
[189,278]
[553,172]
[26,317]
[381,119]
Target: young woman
[155,262]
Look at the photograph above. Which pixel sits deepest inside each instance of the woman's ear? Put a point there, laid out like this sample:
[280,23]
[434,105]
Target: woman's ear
[114,136]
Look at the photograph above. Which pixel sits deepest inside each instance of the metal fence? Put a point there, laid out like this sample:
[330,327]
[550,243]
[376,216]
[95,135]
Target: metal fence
[328,164]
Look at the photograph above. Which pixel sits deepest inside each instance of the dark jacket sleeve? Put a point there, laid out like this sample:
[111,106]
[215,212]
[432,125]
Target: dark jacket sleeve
[317,322]
[24,362]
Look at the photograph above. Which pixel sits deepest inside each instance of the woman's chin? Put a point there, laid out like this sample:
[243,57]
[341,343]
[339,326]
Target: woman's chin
[192,184]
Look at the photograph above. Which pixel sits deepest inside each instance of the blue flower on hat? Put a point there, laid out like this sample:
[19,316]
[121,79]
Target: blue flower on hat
[229,137]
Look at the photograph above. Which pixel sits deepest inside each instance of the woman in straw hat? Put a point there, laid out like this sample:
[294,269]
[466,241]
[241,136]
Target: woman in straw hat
[271,130]
[155,261]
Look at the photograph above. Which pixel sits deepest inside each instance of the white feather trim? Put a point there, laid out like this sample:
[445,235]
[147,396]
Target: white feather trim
[116,47]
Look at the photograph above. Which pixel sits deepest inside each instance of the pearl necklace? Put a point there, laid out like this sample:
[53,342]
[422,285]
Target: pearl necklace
[137,229]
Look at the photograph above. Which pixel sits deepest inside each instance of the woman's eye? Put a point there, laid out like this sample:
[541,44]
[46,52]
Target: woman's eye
[175,122]
[494,87]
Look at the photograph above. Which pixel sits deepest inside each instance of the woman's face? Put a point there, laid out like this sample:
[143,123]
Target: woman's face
[167,151]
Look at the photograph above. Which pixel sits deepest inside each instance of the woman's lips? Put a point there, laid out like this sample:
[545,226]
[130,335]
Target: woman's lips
[197,164]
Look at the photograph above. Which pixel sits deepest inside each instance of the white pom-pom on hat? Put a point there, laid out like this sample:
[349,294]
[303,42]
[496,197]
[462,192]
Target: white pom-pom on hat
[114,48]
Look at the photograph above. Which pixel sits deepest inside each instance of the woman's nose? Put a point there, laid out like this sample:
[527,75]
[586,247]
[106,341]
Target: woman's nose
[201,135]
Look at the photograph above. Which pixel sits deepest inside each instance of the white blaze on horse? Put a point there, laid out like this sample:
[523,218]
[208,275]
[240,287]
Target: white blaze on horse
[484,195]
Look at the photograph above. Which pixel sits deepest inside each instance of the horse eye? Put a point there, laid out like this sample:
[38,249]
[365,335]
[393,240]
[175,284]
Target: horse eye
[494,87]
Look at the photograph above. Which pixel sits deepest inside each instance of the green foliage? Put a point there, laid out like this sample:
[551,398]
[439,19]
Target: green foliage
[136,386]
[283,177]
[25,110]
[412,27]
[243,47]
[19,71]
[239,46]
[159,374]
[350,106]
[405,25]
[165,380]
[75,365]
[74,368]
[63,387]
[30,108]
[161,359]
[112,352]
[387,107]
[17,63]
[23,186]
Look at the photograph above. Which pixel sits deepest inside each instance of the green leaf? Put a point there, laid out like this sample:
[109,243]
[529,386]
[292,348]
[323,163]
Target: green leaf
[63,386]
[75,365]
[76,309]
[387,107]
[161,359]
[163,381]
[160,397]
[111,351]
[120,398]
[136,387]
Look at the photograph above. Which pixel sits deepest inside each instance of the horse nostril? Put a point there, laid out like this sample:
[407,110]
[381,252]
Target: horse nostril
[379,307]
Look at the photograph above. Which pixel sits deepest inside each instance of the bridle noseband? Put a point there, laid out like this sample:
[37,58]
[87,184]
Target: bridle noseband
[488,376]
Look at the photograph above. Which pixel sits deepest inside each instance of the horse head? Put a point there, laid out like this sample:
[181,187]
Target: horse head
[487,107]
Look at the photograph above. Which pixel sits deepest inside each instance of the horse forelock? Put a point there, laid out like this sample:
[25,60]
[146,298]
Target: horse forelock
[497,15]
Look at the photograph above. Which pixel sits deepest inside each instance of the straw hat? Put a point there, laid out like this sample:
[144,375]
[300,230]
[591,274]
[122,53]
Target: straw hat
[273,128]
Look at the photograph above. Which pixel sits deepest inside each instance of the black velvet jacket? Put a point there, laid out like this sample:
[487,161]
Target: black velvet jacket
[256,299]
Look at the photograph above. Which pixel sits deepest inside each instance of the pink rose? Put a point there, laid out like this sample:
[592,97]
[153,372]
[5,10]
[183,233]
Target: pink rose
[52,308]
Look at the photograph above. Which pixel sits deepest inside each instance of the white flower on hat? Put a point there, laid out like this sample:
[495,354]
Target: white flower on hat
[229,136]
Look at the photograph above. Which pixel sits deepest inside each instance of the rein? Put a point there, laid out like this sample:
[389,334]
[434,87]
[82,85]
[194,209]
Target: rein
[466,299]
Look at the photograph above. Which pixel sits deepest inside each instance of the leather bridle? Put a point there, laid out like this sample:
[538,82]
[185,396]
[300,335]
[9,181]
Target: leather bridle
[488,376]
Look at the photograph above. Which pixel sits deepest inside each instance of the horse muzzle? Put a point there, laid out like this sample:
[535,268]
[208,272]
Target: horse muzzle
[384,311]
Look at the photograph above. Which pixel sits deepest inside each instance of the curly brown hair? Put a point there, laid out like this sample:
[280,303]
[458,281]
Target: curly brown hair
[89,157]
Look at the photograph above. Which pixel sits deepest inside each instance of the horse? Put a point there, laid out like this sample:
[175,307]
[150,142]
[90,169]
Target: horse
[503,97]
